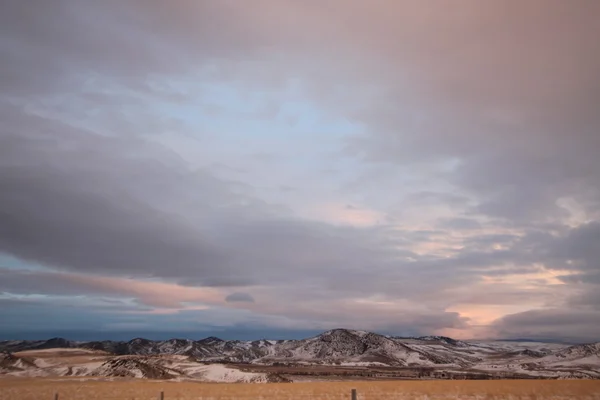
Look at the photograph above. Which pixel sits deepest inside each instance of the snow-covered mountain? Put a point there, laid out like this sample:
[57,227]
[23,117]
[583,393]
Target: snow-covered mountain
[580,351]
[92,364]
[341,347]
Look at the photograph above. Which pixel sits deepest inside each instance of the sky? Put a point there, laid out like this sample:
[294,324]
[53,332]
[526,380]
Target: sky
[275,168]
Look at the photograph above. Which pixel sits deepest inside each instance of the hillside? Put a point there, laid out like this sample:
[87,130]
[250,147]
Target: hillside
[175,358]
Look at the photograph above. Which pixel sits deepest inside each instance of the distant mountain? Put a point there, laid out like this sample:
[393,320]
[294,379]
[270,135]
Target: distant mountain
[335,347]
[538,340]
[440,339]
[9,362]
[580,350]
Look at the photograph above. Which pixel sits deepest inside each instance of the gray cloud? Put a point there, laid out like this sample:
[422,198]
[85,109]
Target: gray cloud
[239,297]
[580,247]
[68,199]
[478,146]
[125,207]
[459,223]
[572,325]
[483,103]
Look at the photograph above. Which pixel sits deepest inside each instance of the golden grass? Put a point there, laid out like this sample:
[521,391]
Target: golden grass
[70,389]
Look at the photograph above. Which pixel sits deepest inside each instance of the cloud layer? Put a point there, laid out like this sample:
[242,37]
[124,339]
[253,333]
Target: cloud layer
[301,165]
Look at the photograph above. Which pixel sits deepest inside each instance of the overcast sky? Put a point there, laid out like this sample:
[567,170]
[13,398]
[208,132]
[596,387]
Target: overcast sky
[279,167]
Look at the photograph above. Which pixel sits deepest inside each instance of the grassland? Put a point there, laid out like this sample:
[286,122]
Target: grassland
[70,389]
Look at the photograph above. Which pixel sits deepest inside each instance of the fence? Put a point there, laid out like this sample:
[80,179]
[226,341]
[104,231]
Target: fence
[161,396]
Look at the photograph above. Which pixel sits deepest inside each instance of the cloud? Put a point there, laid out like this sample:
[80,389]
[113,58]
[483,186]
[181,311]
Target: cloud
[459,223]
[68,201]
[579,248]
[497,100]
[572,325]
[148,293]
[439,160]
[239,297]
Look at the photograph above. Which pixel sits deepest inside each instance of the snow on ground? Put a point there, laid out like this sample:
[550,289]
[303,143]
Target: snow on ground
[86,369]
[415,358]
[32,373]
[592,360]
[57,350]
[220,373]
[500,345]
[42,363]
[177,357]
[20,364]
[361,364]
[137,373]
[360,333]
[244,344]
[43,367]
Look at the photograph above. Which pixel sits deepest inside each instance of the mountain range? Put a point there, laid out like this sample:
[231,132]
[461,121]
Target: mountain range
[352,348]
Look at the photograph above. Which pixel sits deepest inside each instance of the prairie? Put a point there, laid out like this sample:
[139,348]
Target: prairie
[82,389]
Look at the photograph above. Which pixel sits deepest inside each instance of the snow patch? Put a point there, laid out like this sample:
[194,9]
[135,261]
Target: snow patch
[59,350]
[362,364]
[221,373]
[42,363]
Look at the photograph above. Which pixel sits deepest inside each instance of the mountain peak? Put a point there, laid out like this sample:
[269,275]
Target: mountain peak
[139,340]
[56,342]
[443,339]
[581,350]
[211,339]
[344,331]
[337,346]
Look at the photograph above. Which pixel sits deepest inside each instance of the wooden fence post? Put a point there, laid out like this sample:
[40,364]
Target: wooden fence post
[162,395]
[353,394]
[56,396]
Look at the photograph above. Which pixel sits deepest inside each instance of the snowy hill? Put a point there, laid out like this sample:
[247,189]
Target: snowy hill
[341,347]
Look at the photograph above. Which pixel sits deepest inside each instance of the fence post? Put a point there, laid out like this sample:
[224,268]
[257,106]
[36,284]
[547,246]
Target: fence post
[162,395]
[353,394]
[56,396]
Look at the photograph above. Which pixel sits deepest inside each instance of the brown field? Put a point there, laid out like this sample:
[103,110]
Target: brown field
[70,389]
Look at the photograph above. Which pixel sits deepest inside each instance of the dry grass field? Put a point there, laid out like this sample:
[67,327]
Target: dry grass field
[69,389]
